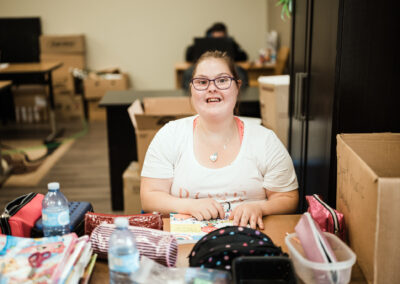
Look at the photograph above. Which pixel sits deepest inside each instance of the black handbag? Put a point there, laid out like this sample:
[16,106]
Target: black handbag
[218,248]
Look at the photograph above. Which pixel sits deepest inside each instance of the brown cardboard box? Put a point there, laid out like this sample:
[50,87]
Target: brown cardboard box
[368,194]
[131,178]
[62,44]
[62,77]
[95,86]
[30,103]
[68,106]
[274,104]
[154,113]
[96,113]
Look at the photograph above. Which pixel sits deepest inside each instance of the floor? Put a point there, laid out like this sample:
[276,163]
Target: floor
[82,172]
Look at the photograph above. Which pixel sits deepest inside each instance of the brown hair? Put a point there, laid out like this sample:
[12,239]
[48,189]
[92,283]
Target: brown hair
[231,65]
[217,55]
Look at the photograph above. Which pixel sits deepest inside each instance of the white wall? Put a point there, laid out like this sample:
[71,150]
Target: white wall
[144,37]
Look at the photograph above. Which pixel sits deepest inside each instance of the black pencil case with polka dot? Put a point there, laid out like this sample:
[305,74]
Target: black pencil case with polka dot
[218,248]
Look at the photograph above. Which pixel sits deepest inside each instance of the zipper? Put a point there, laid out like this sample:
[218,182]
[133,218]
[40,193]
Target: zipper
[17,204]
[333,213]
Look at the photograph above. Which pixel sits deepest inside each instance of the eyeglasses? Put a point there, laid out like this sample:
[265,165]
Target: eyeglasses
[221,83]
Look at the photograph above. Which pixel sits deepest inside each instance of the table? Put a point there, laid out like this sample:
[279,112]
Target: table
[253,71]
[121,134]
[275,226]
[34,73]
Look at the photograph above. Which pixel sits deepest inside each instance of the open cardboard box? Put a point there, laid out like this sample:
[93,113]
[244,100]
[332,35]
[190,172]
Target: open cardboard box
[368,194]
[150,114]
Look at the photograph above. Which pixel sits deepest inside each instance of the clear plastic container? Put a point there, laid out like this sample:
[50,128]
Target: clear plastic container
[315,272]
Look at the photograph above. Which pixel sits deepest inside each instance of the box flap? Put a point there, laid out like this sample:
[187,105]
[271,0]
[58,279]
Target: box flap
[274,80]
[379,151]
[387,232]
[168,105]
[135,108]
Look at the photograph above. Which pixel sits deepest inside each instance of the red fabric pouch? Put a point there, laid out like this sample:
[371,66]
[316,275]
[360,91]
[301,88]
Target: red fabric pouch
[20,215]
[328,219]
[148,220]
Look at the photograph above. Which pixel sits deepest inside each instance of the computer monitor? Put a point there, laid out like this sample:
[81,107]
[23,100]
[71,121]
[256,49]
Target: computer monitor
[202,45]
[19,39]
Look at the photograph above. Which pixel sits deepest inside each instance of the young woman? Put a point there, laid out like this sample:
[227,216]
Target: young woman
[199,164]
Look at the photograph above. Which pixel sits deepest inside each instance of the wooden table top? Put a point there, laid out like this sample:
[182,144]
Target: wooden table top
[247,65]
[30,67]
[4,84]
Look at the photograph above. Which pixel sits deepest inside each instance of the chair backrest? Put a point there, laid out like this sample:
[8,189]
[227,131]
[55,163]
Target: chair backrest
[281,60]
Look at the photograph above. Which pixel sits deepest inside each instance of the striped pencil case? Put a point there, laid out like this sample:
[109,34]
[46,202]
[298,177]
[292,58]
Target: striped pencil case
[157,245]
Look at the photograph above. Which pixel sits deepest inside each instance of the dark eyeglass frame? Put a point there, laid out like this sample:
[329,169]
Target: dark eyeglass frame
[213,80]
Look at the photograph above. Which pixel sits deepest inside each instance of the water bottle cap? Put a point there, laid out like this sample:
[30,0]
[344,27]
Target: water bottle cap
[121,222]
[53,186]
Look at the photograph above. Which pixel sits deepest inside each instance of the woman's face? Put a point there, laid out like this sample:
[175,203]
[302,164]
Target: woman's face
[213,102]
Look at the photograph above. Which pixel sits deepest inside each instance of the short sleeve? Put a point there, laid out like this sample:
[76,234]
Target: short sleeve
[279,172]
[160,155]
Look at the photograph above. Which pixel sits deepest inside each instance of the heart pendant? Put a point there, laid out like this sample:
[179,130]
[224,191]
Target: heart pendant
[214,157]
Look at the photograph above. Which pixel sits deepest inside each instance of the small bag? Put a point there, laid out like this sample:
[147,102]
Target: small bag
[218,248]
[148,220]
[77,211]
[20,215]
[328,219]
[157,245]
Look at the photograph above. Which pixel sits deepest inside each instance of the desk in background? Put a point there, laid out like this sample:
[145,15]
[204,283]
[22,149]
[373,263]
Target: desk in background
[275,226]
[121,134]
[34,73]
[253,71]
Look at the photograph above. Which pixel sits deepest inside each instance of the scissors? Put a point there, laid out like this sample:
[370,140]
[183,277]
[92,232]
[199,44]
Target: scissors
[36,259]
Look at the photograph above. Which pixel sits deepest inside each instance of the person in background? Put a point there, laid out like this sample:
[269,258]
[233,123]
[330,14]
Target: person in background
[199,164]
[218,30]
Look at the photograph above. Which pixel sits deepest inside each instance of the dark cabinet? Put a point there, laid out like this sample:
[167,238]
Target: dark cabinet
[344,79]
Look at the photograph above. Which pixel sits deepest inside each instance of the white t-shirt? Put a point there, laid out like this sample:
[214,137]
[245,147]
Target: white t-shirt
[262,163]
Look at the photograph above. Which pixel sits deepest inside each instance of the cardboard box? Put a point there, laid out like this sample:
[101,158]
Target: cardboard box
[274,104]
[62,77]
[96,113]
[62,44]
[68,106]
[368,194]
[30,103]
[149,117]
[131,179]
[95,86]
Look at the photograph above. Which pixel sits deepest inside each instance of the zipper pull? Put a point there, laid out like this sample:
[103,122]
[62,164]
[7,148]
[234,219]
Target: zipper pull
[5,214]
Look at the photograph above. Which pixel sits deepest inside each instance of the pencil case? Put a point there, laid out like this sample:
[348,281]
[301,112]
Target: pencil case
[157,245]
[148,220]
[20,215]
[77,211]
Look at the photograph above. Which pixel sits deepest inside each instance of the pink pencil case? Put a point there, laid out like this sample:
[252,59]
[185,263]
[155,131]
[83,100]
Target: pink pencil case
[157,245]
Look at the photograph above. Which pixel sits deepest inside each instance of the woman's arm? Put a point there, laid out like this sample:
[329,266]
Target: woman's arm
[277,203]
[155,196]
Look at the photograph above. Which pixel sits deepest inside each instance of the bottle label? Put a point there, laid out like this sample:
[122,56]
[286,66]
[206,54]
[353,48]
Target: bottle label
[123,263]
[55,219]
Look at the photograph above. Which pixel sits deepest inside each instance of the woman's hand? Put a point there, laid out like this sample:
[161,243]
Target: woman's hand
[206,209]
[246,213]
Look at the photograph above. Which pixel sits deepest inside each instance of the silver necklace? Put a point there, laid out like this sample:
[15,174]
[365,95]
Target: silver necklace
[214,156]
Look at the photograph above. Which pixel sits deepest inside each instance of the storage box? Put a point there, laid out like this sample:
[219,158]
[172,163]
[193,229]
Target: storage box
[274,104]
[368,194]
[62,44]
[96,113]
[315,272]
[62,77]
[30,103]
[95,86]
[131,178]
[68,107]
[149,117]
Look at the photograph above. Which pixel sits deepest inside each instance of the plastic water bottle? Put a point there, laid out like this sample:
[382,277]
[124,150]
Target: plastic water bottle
[55,212]
[123,256]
